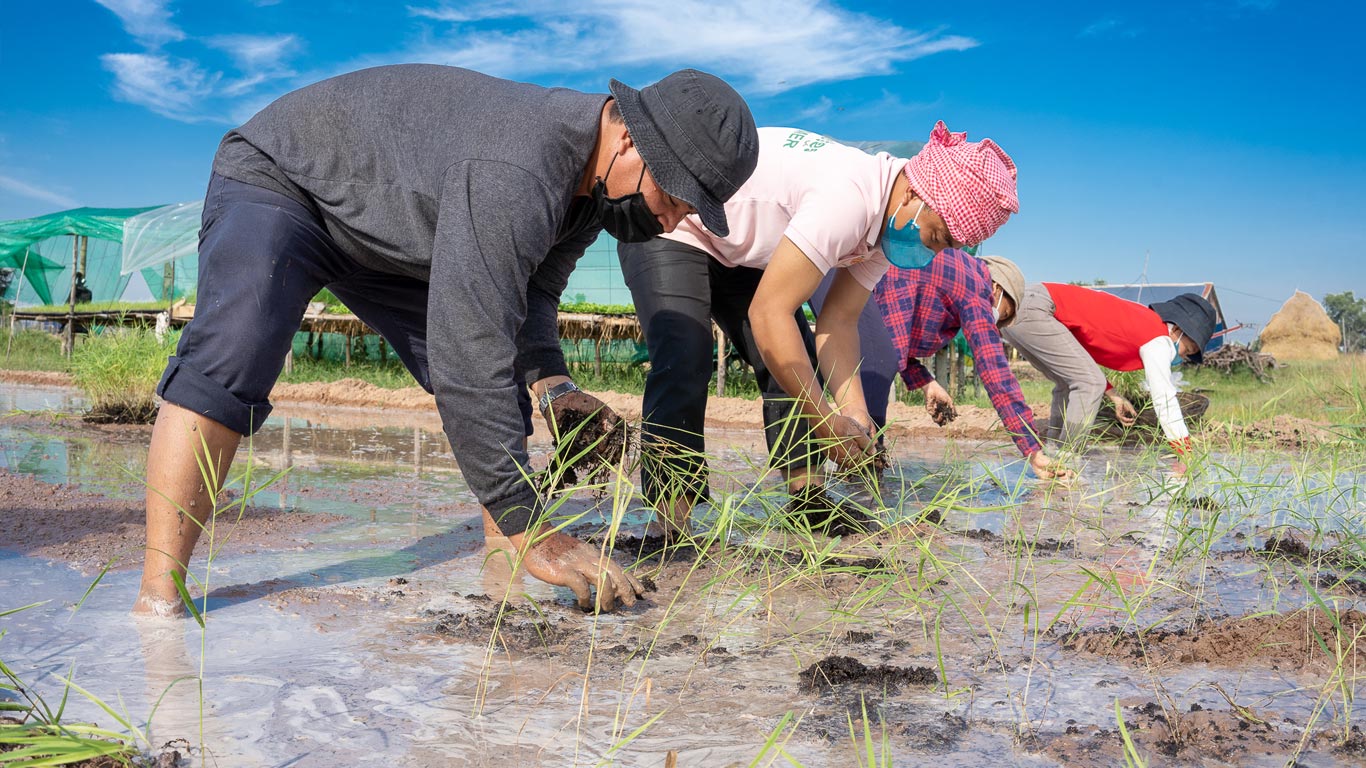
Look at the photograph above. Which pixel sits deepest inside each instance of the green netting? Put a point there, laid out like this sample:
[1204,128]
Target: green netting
[40,251]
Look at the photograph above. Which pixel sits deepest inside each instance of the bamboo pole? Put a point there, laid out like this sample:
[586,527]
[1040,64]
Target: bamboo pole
[69,339]
[10,341]
[720,360]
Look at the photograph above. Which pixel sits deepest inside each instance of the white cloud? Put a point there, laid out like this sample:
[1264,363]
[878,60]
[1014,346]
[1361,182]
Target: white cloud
[256,52]
[467,12]
[24,189]
[259,57]
[149,21]
[816,112]
[1109,26]
[169,87]
[768,46]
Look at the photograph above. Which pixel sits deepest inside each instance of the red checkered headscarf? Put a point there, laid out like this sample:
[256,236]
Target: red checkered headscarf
[971,184]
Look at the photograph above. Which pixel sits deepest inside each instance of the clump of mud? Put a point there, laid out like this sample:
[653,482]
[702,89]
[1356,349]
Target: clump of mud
[1291,641]
[684,645]
[822,513]
[595,441]
[1197,735]
[122,412]
[942,412]
[1286,545]
[837,671]
[517,628]
[661,548]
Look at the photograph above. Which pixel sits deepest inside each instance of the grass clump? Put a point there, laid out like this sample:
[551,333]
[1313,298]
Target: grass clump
[34,351]
[118,371]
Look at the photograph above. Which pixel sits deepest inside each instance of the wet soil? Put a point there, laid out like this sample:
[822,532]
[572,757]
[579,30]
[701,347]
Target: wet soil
[90,531]
[740,635]
[1195,736]
[839,671]
[1285,641]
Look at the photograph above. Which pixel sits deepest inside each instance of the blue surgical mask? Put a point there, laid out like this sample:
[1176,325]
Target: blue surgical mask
[903,247]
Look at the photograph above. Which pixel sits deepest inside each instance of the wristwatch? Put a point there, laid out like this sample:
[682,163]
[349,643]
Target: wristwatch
[551,393]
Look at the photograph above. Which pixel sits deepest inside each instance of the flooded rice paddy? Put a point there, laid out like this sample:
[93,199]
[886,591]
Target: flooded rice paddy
[360,619]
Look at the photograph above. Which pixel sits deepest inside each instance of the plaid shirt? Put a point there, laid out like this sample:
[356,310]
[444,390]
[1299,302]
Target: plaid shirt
[923,310]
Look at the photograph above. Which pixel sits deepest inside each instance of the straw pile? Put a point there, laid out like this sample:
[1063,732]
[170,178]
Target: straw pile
[1301,330]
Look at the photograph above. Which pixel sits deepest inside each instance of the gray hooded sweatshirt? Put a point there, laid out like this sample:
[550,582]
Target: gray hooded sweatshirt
[463,180]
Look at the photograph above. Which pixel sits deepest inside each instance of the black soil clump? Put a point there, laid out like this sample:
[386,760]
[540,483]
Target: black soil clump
[823,514]
[1042,545]
[121,413]
[943,412]
[660,548]
[838,671]
[1332,581]
[598,440]
[517,628]
[684,645]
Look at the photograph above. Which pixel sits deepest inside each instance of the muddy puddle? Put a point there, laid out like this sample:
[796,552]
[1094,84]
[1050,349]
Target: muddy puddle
[992,620]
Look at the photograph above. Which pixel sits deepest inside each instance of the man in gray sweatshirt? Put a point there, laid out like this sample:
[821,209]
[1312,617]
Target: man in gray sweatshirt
[447,209]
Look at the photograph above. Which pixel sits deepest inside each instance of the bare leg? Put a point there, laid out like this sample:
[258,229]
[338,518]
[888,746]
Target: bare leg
[174,483]
[671,522]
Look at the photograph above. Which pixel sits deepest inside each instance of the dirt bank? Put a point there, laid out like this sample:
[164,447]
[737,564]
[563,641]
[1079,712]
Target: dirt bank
[732,412]
[973,422]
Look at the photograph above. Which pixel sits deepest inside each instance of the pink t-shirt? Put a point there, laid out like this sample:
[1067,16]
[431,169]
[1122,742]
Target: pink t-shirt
[827,198]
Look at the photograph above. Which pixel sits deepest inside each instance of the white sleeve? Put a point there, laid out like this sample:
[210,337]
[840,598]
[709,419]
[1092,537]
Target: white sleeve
[1157,356]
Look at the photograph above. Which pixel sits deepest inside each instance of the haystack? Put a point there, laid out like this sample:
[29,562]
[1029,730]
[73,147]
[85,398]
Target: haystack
[1301,330]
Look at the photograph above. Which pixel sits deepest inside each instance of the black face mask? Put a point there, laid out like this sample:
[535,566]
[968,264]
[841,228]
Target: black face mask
[626,218]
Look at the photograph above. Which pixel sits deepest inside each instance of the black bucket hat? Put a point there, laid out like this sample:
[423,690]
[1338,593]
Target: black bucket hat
[697,138]
[1193,314]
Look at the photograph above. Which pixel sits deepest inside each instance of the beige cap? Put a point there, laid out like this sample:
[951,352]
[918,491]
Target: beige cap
[1005,274]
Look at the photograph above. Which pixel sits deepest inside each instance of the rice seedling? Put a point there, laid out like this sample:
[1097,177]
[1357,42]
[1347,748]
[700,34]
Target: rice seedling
[118,371]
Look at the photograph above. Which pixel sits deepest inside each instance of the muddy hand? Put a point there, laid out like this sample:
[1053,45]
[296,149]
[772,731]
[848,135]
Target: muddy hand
[939,404]
[563,560]
[850,442]
[1124,410]
[1047,468]
[586,432]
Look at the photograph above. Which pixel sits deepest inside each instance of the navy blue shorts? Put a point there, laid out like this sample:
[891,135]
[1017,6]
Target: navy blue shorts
[262,257]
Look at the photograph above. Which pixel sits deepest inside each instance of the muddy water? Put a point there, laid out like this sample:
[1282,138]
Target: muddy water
[381,642]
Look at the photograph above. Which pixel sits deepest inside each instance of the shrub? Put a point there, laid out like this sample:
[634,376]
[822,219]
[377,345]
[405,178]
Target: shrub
[118,370]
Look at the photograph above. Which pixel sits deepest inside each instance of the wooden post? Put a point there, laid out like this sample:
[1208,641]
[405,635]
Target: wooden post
[383,351]
[286,458]
[289,360]
[958,384]
[69,338]
[940,363]
[720,360]
[168,282]
[348,349]
[597,357]
[19,287]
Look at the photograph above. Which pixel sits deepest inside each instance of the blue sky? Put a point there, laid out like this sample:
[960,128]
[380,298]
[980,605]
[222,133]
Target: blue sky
[1181,141]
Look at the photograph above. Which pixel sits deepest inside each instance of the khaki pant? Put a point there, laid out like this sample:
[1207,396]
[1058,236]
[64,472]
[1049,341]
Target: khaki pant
[1078,382]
